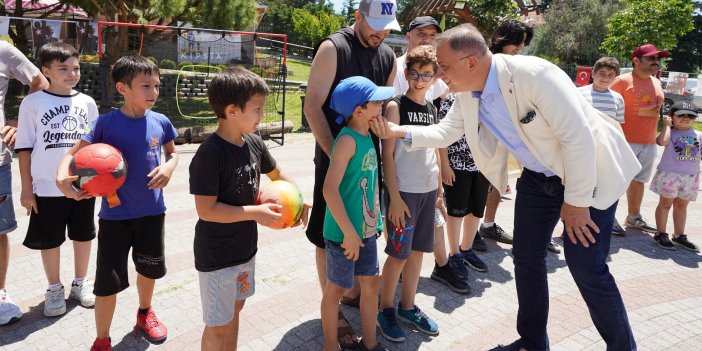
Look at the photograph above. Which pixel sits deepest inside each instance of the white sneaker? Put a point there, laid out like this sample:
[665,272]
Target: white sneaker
[9,311]
[55,302]
[83,293]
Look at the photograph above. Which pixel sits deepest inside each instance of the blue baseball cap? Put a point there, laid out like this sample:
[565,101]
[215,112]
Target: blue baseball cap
[356,91]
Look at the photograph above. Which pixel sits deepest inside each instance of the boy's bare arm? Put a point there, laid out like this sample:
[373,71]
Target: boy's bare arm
[64,181]
[397,207]
[343,152]
[161,175]
[446,173]
[209,209]
[27,199]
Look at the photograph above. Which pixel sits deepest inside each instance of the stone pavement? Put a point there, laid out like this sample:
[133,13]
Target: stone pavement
[662,289]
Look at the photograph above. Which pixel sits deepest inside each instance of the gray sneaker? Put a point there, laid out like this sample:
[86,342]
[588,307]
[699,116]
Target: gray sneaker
[496,233]
[617,229]
[639,223]
[55,302]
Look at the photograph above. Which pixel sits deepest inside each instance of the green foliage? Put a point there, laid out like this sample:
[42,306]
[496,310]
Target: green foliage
[687,56]
[573,31]
[153,59]
[224,14]
[349,9]
[313,27]
[167,64]
[659,22]
[490,13]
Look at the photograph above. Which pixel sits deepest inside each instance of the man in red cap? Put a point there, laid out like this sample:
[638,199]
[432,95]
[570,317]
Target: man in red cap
[643,98]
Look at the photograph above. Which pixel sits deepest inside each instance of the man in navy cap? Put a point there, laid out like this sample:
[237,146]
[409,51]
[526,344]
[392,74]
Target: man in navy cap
[643,98]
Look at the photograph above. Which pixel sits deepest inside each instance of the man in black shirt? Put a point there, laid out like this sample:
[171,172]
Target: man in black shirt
[357,50]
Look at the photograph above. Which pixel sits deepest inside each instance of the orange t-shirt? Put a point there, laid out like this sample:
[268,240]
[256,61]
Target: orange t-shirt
[643,99]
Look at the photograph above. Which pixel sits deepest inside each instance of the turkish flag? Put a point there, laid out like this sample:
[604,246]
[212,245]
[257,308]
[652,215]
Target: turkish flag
[582,76]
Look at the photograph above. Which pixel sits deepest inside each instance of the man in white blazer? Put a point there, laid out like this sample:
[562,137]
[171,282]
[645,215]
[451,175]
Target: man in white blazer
[576,161]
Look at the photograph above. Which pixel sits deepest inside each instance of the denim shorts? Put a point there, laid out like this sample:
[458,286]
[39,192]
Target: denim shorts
[341,270]
[220,289]
[8,222]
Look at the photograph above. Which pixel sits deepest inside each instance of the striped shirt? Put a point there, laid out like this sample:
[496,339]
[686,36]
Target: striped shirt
[610,102]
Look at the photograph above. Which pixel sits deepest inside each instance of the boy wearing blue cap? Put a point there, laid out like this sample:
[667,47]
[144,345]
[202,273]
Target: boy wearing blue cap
[352,220]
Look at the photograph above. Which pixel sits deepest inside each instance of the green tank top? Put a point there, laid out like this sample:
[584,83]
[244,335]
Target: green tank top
[359,191]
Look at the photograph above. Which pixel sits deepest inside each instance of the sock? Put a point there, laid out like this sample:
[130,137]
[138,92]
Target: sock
[78,281]
[487,224]
[56,286]
[143,311]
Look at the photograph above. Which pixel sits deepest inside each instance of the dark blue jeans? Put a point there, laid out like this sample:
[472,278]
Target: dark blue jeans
[537,211]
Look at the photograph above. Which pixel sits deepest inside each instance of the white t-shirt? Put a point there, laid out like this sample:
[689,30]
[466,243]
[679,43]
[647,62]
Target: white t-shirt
[13,65]
[400,84]
[48,126]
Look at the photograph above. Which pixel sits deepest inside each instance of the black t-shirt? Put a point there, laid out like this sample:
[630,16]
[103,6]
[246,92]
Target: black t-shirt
[232,173]
[414,114]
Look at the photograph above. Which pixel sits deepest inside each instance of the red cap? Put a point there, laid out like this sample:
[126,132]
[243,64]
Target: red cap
[648,50]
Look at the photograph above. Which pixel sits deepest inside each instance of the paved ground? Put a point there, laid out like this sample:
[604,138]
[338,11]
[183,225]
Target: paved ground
[662,289]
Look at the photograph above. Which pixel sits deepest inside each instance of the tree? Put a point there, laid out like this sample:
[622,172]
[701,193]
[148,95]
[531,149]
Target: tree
[573,31]
[349,9]
[687,56]
[313,27]
[489,13]
[659,22]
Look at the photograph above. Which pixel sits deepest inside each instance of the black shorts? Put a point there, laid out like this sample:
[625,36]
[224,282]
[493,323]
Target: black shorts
[47,229]
[144,235]
[468,194]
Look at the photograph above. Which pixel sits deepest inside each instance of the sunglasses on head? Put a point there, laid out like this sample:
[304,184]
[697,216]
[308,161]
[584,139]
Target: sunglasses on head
[414,75]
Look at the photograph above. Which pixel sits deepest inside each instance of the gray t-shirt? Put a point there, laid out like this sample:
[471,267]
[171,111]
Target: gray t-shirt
[13,65]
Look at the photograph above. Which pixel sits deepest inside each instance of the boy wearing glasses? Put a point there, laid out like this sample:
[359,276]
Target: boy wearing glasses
[412,183]
[643,98]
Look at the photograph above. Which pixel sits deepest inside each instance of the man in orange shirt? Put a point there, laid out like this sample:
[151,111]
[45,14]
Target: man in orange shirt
[643,97]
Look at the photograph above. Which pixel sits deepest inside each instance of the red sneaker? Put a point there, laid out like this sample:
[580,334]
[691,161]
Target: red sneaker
[104,344]
[154,330]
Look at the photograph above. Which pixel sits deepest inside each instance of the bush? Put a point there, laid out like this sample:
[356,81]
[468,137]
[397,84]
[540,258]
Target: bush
[89,58]
[183,64]
[153,59]
[167,64]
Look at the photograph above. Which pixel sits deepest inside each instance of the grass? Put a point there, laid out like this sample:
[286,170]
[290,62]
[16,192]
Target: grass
[298,70]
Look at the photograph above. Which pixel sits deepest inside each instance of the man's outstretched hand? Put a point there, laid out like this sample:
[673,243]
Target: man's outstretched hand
[386,130]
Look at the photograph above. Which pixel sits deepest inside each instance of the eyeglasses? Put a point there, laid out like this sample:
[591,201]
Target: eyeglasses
[445,68]
[686,116]
[414,75]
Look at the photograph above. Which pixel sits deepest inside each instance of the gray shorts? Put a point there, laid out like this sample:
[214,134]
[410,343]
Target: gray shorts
[646,154]
[220,289]
[418,233]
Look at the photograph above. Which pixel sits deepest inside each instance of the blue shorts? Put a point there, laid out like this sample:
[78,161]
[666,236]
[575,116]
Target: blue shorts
[341,270]
[8,222]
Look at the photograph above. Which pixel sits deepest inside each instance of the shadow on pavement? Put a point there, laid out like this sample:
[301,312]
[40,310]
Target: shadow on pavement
[31,321]
[642,243]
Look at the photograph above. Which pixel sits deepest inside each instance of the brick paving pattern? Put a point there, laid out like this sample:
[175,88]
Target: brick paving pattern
[662,289]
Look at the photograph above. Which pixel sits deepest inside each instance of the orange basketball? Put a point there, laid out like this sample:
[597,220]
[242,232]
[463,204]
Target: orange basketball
[287,195]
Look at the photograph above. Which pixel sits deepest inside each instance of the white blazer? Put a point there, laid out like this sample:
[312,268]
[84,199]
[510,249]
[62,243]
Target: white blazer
[582,146]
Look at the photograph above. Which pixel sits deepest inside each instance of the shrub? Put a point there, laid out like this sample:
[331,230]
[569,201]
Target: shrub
[167,64]
[153,59]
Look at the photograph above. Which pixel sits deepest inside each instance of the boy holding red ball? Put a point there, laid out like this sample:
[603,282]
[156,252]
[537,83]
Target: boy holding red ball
[225,178]
[138,222]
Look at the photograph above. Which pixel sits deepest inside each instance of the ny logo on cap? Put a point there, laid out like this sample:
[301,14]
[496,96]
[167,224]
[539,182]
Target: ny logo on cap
[386,8]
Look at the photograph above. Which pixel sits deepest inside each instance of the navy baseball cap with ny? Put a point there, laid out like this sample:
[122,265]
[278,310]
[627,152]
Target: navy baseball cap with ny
[356,91]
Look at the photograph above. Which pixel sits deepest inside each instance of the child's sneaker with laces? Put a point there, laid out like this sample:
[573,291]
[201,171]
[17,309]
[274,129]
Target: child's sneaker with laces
[104,344]
[153,329]
[389,327]
[682,241]
[9,311]
[55,302]
[83,293]
[418,319]
[456,263]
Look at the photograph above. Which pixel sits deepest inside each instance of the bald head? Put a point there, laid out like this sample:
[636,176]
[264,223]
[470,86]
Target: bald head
[464,39]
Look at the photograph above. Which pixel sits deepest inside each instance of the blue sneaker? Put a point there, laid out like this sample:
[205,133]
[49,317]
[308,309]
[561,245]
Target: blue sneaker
[457,265]
[387,322]
[473,261]
[418,319]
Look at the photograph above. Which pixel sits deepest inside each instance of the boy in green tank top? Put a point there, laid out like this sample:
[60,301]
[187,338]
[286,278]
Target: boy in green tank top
[352,219]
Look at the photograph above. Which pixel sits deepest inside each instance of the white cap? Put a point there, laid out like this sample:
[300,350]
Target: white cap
[380,14]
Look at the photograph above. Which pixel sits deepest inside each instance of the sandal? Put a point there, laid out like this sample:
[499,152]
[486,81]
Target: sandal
[351,301]
[344,330]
